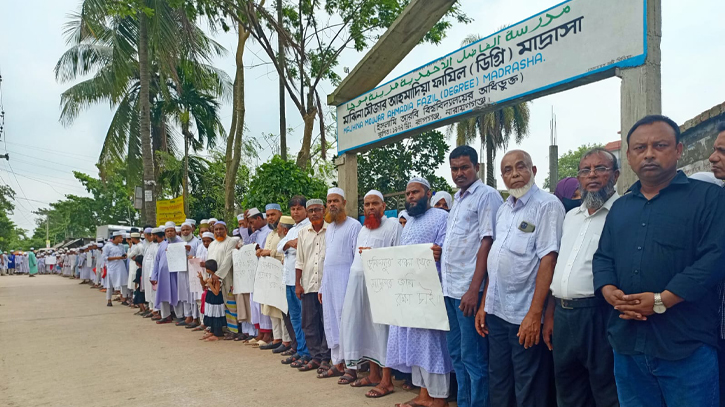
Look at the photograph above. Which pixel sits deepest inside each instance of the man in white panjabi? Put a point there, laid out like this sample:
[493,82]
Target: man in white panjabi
[186,299]
[135,249]
[361,338]
[117,272]
[340,238]
[153,239]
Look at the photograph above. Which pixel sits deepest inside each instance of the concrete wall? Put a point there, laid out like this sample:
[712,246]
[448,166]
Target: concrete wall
[698,137]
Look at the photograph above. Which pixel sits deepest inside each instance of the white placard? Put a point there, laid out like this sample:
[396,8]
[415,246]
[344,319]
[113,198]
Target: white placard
[269,286]
[570,41]
[194,269]
[245,267]
[148,195]
[404,288]
[176,257]
[50,260]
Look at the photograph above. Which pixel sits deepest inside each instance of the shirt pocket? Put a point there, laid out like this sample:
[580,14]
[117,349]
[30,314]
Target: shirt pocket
[519,242]
[591,248]
[668,234]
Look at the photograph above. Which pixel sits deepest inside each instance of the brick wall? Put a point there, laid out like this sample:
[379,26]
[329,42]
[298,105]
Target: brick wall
[698,136]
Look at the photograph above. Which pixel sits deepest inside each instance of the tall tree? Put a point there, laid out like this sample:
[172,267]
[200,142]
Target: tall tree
[315,47]
[131,47]
[494,129]
[282,94]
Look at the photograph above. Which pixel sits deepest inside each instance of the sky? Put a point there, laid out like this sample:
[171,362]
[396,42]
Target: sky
[44,153]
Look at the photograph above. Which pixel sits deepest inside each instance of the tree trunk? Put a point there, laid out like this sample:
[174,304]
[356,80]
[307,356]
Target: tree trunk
[145,119]
[282,116]
[187,136]
[234,141]
[490,154]
[303,158]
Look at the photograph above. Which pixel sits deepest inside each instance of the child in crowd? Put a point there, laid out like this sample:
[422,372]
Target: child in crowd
[214,316]
[139,297]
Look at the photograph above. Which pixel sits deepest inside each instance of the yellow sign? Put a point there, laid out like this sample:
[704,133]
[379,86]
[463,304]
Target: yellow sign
[170,210]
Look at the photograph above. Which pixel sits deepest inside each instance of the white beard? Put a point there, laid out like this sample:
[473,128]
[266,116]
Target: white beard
[519,192]
[187,239]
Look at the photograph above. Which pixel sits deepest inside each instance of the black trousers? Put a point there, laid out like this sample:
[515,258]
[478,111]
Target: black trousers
[290,331]
[517,377]
[314,328]
[583,357]
[721,364]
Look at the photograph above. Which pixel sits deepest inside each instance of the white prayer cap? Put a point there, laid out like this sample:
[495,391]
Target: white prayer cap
[240,216]
[312,202]
[148,230]
[191,221]
[118,233]
[170,224]
[187,224]
[156,230]
[213,220]
[135,234]
[374,192]
[208,234]
[441,195]
[127,235]
[99,244]
[32,248]
[253,212]
[162,228]
[178,229]
[203,221]
[707,177]
[403,214]
[336,190]
[419,180]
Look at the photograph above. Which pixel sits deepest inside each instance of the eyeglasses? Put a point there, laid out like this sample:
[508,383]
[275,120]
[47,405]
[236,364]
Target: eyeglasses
[597,171]
[313,210]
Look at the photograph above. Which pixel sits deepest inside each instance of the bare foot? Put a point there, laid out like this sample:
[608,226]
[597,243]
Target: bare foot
[211,339]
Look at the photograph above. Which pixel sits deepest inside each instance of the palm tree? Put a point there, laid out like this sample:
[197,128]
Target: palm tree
[133,60]
[494,128]
[194,102]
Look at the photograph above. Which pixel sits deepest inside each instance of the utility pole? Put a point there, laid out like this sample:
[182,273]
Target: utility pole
[553,155]
[282,118]
[47,230]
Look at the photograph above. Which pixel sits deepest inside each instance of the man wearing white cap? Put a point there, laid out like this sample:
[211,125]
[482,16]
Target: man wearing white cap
[422,352]
[186,299]
[262,323]
[167,292]
[244,230]
[361,338]
[147,267]
[135,249]
[340,250]
[279,331]
[212,221]
[220,250]
[85,271]
[117,273]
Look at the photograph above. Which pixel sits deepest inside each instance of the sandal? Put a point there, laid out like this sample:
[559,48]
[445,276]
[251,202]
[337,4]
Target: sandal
[192,325]
[364,382]
[241,337]
[289,352]
[376,393]
[324,366]
[198,328]
[259,343]
[164,321]
[311,365]
[291,360]
[300,362]
[349,377]
[331,372]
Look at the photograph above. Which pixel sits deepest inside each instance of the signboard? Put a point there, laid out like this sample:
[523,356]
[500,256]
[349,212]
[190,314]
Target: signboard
[570,41]
[138,198]
[404,288]
[149,195]
[269,286]
[170,210]
[244,263]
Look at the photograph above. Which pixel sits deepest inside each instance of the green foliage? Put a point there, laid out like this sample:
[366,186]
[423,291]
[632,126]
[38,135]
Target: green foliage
[76,216]
[569,163]
[277,181]
[9,236]
[206,189]
[388,169]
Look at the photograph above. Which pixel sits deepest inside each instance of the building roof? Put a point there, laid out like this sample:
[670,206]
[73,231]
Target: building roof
[613,145]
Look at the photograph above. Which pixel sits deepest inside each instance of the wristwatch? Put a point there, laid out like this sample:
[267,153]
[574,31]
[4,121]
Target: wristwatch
[659,306]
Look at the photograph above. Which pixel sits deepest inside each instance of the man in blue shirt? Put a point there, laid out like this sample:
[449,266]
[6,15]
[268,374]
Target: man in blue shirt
[469,235]
[658,264]
[11,262]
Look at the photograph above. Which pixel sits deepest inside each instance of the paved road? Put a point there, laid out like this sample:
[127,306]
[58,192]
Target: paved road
[61,346]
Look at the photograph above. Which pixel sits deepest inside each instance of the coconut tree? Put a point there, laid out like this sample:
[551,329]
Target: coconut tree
[132,57]
[494,129]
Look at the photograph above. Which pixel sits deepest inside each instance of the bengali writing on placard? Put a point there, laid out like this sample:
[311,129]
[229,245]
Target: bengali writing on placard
[244,265]
[550,47]
[404,288]
[269,286]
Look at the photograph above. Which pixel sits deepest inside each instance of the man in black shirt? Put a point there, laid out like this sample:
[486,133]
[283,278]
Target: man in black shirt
[659,259]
